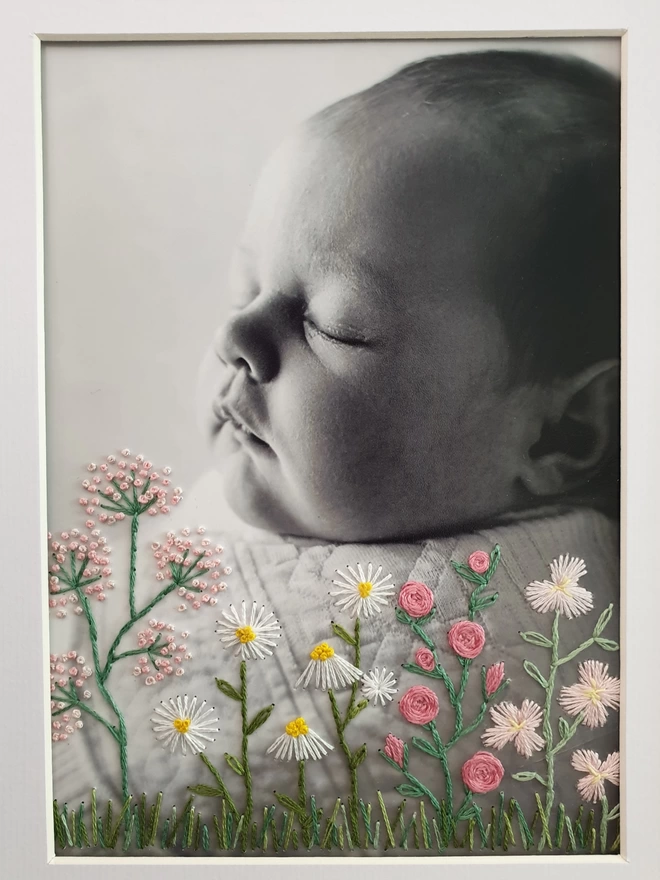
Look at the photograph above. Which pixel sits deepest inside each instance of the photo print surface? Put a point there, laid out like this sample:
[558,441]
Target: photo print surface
[333,390]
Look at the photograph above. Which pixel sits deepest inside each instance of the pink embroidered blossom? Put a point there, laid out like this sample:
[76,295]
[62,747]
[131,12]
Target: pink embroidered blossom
[467,639]
[416,599]
[515,725]
[562,592]
[419,705]
[494,678]
[394,749]
[593,695]
[194,567]
[592,786]
[424,658]
[81,564]
[479,561]
[482,773]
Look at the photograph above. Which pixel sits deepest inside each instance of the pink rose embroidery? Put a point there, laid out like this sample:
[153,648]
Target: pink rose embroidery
[466,639]
[416,598]
[479,561]
[394,749]
[424,658]
[482,772]
[494,678]
[419,705]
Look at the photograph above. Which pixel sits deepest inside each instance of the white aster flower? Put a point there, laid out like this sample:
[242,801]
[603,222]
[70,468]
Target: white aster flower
[329,669]
[595,692]
[379,684]
[515,725]
[253,636]
[300,742]
[182,722]
[592,786]
[363,594]
[561,593]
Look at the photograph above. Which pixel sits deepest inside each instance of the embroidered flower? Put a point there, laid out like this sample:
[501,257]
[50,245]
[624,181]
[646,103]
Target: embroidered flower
[379,685]
[425,659]
[299,741]
[479,561]
[482,772]
[494,678]
[515,725]
[595,692]
[466,639]
[419,705]
[329,669]
[183,723]
[592,786]
[416,599]
[79,561]
[394,748]
[561,593]
[254,636]
[195,566]
[363,594]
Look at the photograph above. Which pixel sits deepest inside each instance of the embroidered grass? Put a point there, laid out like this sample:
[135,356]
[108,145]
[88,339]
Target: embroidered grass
[143,824]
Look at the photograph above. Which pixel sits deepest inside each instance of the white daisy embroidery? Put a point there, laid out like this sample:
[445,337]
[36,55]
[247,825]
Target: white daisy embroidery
[363,594]
[329,670]
[594,693]
[516,725]
[561,593]
[379,685]
[182,722]
[300,742]
[253,635]
[592,786]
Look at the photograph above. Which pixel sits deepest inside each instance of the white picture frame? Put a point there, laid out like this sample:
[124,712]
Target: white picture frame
[26,828]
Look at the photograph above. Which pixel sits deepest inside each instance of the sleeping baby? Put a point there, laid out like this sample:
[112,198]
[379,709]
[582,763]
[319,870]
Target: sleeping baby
[421,365]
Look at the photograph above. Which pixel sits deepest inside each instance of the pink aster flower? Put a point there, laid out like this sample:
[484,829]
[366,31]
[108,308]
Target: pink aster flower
[561,593]
[594,693]
[482,772]
[419,705]
[424,658]
[515,725]
[592,786]
[479,561]
[416,599]
[494,678]
[466,639]
[394,748]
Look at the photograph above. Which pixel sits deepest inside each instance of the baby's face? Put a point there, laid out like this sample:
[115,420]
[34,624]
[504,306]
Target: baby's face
[358,390]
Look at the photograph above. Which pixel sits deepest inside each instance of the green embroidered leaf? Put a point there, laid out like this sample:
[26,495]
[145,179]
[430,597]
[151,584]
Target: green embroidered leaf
[527,776]
[603,620]
[495,554]
[607,644]
[358,756]
[408,790]
[228,689]
[355,711]
[343,634]
[235,764]
[466,812]
[467,574]
[291,805]
[260,718]
[424,746]
[614,812]
[564,728]
[205,790]
[533,671]
[535,638]
[486,601]
[402,616]
[426,618]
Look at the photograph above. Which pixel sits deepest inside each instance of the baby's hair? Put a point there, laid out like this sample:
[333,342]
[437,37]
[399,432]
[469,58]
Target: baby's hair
[543,131]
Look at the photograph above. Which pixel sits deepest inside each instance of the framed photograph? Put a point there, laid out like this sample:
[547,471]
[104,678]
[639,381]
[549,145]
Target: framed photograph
[337,524]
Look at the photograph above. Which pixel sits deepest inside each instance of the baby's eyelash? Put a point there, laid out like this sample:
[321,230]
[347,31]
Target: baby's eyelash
[356,339]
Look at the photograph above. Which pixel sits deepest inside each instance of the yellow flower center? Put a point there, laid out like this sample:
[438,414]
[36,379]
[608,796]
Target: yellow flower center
[561,586]
[593,693]
[364,588]
[322,652]
[298,727]
[181,725]
[245,634]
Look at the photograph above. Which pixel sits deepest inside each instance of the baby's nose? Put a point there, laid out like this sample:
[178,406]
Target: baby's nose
[246,342]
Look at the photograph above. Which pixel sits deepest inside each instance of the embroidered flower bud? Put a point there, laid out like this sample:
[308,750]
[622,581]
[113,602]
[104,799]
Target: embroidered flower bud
[482,773]
[479,561]
[425,659]
[394,749]
[494,678]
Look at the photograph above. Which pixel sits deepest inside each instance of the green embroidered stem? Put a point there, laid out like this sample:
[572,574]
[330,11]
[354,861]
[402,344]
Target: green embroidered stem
[547,720]
[247,776]
[302,801]
[444,763]
[133,564]
[578,650]
[81,705]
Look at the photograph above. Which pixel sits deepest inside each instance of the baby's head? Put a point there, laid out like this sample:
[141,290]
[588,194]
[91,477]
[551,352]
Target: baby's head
[425,329]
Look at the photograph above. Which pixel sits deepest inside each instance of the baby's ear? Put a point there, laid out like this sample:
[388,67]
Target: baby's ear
[579,431]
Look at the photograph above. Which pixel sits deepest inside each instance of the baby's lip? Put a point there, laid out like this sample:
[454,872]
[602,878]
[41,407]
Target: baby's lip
[225,411]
